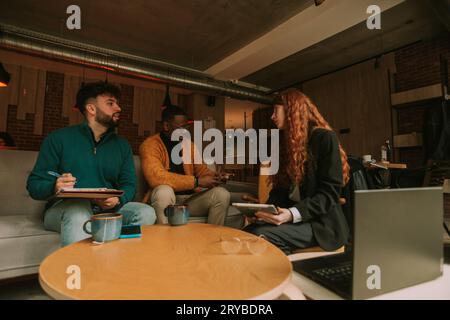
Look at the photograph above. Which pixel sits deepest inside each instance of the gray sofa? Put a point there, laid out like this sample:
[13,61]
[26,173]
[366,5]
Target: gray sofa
[23,241]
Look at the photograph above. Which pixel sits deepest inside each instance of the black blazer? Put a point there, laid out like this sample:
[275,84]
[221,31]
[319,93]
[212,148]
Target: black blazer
[320,191]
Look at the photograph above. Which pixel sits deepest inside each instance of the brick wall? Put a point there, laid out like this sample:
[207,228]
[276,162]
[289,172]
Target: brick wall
[53,103]
[418,66]
[22,130]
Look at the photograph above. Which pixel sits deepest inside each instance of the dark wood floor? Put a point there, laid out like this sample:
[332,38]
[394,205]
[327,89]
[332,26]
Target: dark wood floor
[23,288]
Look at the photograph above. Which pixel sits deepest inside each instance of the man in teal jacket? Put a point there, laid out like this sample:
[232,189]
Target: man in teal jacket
[88,155]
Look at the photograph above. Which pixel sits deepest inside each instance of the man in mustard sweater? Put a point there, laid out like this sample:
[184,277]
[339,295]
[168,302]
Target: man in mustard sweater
[169,181]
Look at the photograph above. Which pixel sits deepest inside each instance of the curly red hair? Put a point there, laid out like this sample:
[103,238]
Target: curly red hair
[300,113]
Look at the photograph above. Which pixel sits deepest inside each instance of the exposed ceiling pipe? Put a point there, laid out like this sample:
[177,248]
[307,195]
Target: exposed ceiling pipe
[123,63]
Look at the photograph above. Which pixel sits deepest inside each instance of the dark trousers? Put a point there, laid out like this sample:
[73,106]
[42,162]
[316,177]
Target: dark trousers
[288,236]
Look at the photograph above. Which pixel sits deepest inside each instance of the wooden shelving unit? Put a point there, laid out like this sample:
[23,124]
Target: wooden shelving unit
[406,99]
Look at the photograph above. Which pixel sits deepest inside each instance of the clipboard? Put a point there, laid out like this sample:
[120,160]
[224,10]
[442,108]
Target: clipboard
[89,193]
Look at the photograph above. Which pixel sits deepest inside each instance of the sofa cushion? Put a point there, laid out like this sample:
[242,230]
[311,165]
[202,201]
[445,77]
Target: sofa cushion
[22,226]
[25,254]
[15,166]
[24,244]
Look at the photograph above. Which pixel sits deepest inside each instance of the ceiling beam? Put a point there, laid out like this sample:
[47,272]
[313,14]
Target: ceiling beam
[312,25]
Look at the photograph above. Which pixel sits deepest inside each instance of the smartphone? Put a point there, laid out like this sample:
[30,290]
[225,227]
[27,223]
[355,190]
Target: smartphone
[130,231]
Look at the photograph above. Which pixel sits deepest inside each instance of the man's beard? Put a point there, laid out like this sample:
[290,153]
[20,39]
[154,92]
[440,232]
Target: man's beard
[105,120]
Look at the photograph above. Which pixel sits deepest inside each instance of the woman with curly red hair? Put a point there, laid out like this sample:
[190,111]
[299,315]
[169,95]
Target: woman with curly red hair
[306,189]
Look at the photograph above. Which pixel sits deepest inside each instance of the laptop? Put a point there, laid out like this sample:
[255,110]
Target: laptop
[396,243]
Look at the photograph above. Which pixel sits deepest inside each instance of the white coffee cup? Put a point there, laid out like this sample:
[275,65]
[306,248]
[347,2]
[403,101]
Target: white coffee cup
[367,158]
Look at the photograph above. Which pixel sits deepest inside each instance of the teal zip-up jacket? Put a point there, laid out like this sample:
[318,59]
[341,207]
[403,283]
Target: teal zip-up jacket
[107,164]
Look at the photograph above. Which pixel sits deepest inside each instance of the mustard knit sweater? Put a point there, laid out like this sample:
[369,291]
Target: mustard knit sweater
[155,166]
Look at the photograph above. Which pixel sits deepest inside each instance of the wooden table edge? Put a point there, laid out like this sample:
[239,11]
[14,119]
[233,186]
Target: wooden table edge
[52,293]
[270,295]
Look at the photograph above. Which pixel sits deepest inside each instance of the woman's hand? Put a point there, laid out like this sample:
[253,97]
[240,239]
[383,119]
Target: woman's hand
[249,199]
[283,216]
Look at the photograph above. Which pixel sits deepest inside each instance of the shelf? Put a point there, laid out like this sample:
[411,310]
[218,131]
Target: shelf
[385,165]
[416,95]
[446,187]
[413,139]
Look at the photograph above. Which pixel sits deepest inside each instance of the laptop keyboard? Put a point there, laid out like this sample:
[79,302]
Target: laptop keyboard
[341,273]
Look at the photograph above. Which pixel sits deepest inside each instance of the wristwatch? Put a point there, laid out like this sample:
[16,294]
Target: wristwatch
[196,182]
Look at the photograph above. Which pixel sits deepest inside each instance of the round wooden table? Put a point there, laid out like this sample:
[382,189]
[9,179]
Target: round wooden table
[183,262]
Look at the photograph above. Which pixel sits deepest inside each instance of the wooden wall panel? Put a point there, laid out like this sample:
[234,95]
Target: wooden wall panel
[137,94]
[27,92]
[71,86]
[147,108]
[14,83]
[40,99]
[151,100]
[4,98]
[141,112]
[357,98]
[156,110]
[146,112]
[199,110]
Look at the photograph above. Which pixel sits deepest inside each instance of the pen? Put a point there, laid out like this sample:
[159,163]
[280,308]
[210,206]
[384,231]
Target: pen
[56,175]
[53,173]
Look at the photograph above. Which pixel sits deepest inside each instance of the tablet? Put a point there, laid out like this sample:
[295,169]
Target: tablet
[251,208]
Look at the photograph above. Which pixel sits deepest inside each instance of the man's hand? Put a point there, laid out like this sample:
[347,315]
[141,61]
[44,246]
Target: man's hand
[283,216]
[249,198]
[107,203]
[208,181]
[65,181]
[223,176]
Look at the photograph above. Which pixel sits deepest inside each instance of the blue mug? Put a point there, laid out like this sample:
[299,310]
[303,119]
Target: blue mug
[104,227]
[177,214]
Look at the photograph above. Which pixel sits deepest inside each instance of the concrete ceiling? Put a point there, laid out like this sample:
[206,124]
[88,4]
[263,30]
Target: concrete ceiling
[190,33]
[305,29]
[406,23]
[266,43]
